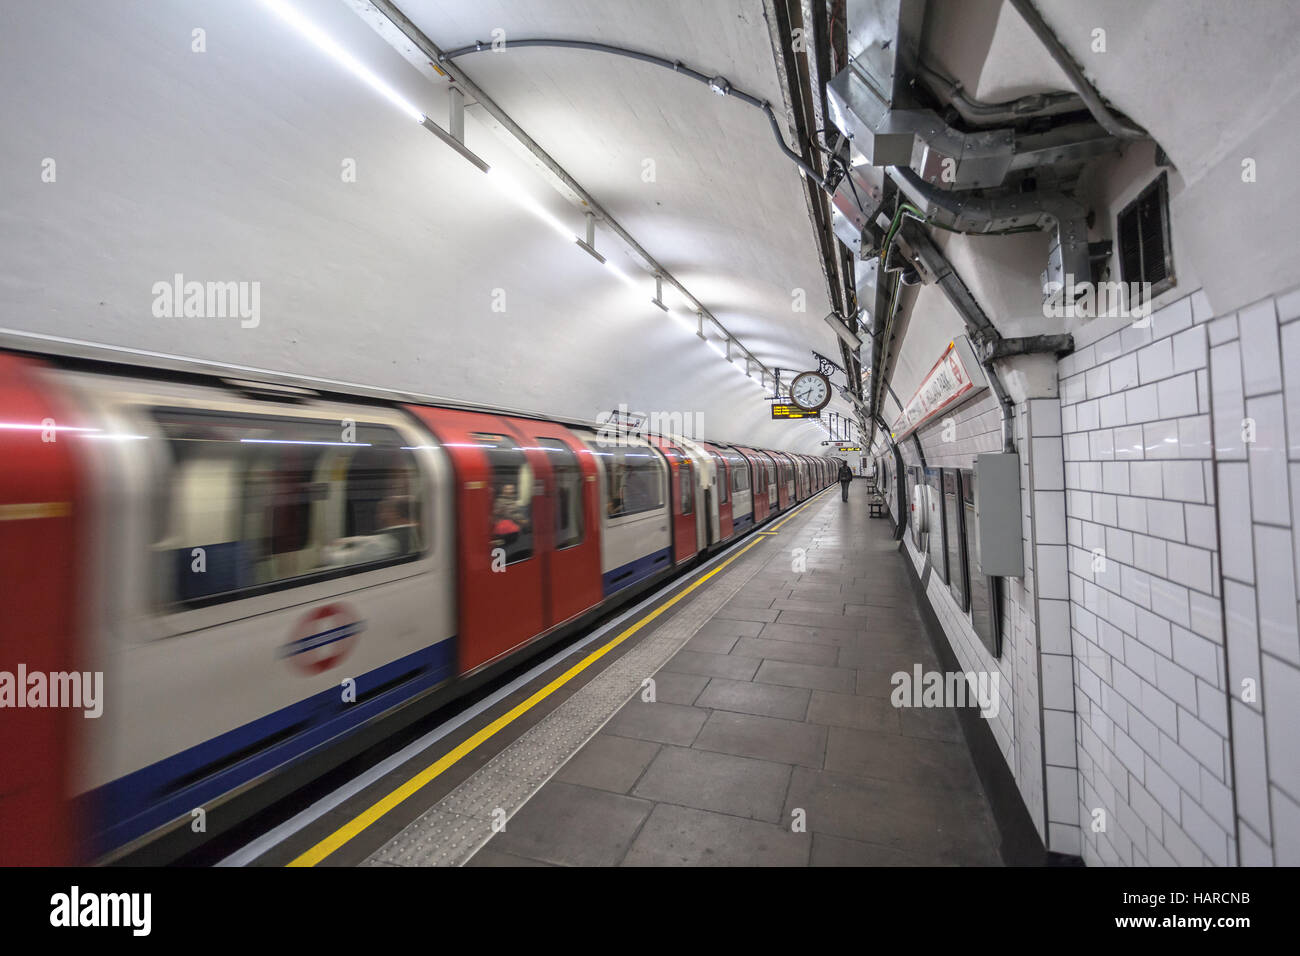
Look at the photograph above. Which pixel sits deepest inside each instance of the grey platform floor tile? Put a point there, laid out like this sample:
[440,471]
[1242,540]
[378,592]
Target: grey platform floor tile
[672,687]
[874,682]
[922,761]
[875,714]
[722,625]
[941,723]
[812,676]
[740,786]
[830,850]
[740,612]
[660,722]
[765,700]
[713,665]
[767,738]
[834,636]
[813,619]
[942,825]
[680,836]
[712,643]
[798,652]
[573,826]
[608,762]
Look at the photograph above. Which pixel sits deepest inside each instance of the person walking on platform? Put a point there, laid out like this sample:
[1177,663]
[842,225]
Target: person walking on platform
[845,476]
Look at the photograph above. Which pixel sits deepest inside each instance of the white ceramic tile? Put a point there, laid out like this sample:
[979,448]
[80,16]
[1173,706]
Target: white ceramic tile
[1194,437]
[1124,372]
[1191,567]
[1113,410]
[1268,466]
[1183,480]
[1276,592]
[1176,397]
[1160,439]
[1146,478]
[1227,401]
[1190,350]
[1236,544]
[1281,718]
[1141,405]
[1260,350]
[1165,520]
[1249,759]
[1156,361]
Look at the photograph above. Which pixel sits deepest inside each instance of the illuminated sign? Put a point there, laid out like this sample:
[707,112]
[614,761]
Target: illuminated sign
[792,411]
[849,448]
[954,378]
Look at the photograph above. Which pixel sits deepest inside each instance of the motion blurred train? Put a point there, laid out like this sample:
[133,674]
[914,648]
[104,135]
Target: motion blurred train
[272,574]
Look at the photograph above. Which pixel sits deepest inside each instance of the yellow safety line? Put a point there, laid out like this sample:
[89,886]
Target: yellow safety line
[353,827]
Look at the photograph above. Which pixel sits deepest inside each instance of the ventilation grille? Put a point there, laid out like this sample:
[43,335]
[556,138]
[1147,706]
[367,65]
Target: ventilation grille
[1143,231]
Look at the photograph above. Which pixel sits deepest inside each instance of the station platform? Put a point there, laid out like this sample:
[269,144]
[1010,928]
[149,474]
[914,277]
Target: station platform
[741,718]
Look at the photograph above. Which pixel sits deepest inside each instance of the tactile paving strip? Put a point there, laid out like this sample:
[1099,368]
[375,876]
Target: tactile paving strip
[454,829]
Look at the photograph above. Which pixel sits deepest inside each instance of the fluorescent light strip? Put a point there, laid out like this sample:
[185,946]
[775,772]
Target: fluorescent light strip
[326,44]
[503,181]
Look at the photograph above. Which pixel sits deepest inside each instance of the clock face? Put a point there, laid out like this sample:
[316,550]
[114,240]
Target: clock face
[810,391]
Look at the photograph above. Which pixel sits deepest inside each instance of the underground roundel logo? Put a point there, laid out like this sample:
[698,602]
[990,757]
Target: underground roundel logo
[323,638]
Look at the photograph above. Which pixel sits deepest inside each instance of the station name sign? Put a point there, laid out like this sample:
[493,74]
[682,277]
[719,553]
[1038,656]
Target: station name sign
[954,378]
[792,411]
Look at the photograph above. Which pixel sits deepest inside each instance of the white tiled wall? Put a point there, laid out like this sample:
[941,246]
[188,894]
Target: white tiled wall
[1256,429]
[1151,652]
[1152,722]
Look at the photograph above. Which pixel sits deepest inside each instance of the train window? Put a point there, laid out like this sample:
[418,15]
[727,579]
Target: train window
[633,479]
[686,477]
[568,493]
[739,473]
[724,485]
[258,503]
[510,520]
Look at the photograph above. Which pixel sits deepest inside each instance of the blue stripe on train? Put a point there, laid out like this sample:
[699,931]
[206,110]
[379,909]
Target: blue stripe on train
[132,806]
[636,571]
[742,524]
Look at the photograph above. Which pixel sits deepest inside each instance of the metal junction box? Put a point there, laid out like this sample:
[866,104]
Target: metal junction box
[998,515]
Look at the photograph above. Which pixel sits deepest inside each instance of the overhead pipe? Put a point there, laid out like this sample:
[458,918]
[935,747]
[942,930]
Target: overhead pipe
[978,113]
[1087,92]
[718,84]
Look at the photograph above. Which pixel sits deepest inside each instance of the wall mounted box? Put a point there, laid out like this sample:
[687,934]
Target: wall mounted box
[998,515]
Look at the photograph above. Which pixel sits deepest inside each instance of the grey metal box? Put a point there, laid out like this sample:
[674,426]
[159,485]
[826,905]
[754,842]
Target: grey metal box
[998,515]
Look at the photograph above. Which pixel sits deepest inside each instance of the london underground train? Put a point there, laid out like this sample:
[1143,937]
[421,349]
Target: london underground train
[209,580]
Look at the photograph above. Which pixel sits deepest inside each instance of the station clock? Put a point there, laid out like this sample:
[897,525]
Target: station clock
[811,391]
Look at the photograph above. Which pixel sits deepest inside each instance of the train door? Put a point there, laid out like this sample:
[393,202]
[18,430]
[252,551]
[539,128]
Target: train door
[784,481]
[724,494]
[757,484]
[570,537]
[682,493]
[500,509]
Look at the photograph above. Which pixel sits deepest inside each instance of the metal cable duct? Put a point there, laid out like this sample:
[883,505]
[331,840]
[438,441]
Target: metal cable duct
[970,214]
[1091,98]
[717,84]
[977,112]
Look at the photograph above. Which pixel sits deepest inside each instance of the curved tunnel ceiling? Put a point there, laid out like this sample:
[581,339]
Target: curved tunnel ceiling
[225,165]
